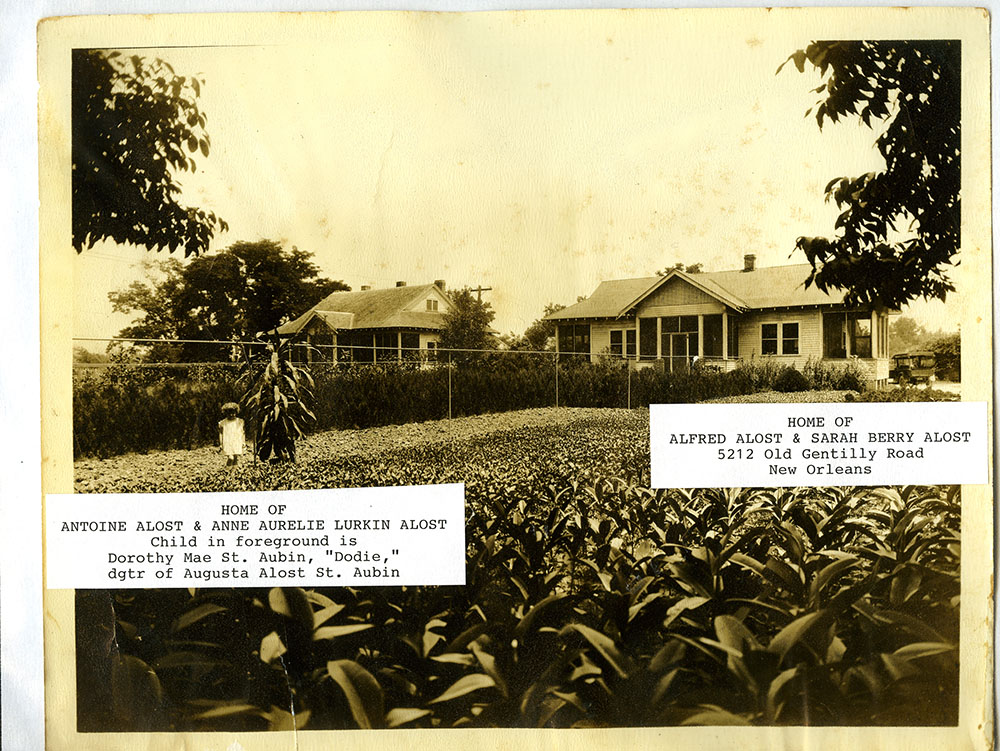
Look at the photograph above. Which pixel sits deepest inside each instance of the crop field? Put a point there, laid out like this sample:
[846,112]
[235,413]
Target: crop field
[591,601]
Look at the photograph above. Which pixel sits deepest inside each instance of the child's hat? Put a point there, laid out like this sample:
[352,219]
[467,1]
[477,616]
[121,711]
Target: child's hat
[230,407]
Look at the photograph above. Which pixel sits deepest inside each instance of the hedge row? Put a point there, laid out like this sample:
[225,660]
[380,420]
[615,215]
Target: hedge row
[142,410]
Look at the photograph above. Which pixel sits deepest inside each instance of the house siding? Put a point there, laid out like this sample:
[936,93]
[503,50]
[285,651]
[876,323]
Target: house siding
[420,304]
[810,335]
[678,292]
[432,337]
[600,336]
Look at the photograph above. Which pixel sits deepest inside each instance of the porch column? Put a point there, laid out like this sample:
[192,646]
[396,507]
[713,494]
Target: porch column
[399,346]
[725,337]
[636,337]
[659,337]
[701,336]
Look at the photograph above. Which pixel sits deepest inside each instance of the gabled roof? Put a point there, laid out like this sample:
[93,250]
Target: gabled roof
[371,309]
[769,287]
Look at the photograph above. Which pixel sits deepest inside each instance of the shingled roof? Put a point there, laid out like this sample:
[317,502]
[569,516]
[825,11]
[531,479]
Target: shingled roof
[371,309]
[763,288]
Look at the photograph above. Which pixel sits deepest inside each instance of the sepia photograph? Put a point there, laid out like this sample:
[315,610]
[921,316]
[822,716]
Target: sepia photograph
[392,249]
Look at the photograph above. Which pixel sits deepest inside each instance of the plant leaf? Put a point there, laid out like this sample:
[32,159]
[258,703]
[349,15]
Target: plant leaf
[363,693]
[465,685]
[195,615]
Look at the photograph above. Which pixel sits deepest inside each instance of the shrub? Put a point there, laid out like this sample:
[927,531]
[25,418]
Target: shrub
[789,379]
[135,408]
[948,355]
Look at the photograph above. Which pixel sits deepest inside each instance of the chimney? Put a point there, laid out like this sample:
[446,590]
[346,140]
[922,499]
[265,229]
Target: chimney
[439,283]
[400,284]
[749,261]
[365,287]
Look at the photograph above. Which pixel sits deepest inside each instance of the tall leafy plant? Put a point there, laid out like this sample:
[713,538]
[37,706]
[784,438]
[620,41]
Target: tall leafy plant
[278,399]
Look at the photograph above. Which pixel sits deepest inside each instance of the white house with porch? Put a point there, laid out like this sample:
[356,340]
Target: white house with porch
[393,324]
[721,318]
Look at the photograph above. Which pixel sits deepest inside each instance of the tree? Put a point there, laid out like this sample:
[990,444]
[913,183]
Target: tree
[694,268]
[132,120]
[467,325]
[913,90]
[539,335]
[948,356]
[85,356]
[248,288]
[906,335]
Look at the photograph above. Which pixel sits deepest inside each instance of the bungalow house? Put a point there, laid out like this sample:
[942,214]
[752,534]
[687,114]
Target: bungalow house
[721,318]
[374,325]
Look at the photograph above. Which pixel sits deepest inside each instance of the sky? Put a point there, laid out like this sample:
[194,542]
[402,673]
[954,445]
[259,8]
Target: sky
[536,154]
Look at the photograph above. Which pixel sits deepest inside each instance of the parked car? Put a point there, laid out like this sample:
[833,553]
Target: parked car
[913,367]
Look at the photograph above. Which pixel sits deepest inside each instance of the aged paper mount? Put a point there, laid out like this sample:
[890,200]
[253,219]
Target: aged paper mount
[555,50]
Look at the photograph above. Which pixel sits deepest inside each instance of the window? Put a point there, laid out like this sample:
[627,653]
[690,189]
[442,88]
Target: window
[790,338]
[574,337]
[847,334]
[616,343]
[780,338]
[860,328]
[432,305]
[623,343]
[769,339]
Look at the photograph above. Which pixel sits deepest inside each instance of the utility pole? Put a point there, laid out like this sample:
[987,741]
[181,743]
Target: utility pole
[479,292]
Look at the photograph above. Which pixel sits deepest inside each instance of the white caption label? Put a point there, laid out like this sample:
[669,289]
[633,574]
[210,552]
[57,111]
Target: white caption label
[387,536]
[794,445]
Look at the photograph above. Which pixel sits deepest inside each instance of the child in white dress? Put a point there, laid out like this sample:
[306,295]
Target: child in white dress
[231,435]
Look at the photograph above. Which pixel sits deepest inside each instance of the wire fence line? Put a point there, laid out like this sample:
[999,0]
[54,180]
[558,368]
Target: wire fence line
[378,357]
[367,347]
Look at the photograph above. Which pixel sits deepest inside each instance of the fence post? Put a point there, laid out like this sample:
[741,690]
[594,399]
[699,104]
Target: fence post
[449,385]
[557,379]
